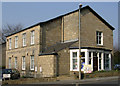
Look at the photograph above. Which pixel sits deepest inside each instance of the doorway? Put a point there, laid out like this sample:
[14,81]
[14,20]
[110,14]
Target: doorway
[95,63]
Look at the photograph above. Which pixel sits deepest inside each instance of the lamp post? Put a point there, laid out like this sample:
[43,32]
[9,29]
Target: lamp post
[79,44]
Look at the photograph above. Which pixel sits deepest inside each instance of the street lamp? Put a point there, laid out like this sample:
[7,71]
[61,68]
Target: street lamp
[79,44]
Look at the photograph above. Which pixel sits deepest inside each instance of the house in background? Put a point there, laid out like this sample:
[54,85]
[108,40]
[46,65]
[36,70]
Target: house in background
[50,48]
[3,55]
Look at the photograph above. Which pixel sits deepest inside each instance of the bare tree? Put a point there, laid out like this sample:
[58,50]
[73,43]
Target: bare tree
[10,29]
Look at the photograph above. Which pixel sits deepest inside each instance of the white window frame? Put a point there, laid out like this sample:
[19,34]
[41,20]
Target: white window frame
[71,60]
[15,62]
[9,63]
[24,39]
[10,43]
[105,59]
[23,63]
[32,37]
[97,37]
[32,62]
[16,41]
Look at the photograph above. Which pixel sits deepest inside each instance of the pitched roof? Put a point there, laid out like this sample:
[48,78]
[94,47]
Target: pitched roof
[57,47]
[98,16]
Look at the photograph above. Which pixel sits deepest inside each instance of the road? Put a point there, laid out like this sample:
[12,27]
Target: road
[88,82]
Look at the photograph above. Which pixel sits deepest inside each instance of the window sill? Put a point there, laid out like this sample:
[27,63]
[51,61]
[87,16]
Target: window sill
[32,44]
[32,70]
[100,45]
[74,70]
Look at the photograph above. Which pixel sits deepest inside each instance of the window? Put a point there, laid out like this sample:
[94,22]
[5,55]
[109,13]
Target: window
[83,54]
[24,39]
[106,61]
[32,62]
[99,38]
[89,57]
[10,43]
[74,59]
[32,37]
[23,63]
[100,54]
[16,41]
[15,62]
[9,62]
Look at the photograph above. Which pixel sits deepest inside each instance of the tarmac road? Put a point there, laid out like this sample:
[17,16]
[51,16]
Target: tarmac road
[109,81]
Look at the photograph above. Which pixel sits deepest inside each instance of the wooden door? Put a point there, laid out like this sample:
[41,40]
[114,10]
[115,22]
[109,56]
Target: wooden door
[95,63]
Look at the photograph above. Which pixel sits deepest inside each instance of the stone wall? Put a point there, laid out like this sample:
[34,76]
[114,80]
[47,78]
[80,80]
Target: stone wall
[48,66]
[51,33]
[26,51]
[63,62]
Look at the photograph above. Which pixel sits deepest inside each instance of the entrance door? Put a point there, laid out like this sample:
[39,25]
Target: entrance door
[95,63]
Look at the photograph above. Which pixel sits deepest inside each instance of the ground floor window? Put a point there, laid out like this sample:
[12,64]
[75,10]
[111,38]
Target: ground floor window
[15,62]
[32,62]
[74,60]
[106,61]
[23,63]
[94,58]
[89,57]
[9,62]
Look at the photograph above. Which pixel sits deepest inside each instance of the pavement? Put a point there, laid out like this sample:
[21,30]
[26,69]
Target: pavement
[105,80]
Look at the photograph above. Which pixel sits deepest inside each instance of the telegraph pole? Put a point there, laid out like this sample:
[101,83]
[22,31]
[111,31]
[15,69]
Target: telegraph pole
[79,44]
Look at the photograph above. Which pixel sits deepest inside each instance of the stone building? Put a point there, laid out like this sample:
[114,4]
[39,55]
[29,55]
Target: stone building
[50,48]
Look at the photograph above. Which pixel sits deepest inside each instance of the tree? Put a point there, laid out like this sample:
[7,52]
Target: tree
[10,29]
[117,57]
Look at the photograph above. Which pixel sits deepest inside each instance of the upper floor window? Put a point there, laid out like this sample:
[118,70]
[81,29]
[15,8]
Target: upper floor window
[99,36]
[10,43]
[16,41]
[24,39]
[32,37]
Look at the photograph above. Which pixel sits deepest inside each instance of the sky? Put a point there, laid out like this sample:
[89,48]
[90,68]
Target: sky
[30,13]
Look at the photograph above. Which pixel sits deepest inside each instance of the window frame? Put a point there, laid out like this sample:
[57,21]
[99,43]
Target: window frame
[32,37]
[10,43]
[99,37]
[23,63]
[24,39]
[105,61]
[16,41]
[15,62]
[71,60]
[9,65]
[32,64]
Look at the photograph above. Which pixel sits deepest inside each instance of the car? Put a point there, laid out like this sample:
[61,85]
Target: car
[117,67]
[10,74]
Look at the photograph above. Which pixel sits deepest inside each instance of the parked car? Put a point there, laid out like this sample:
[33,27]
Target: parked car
[10,74]
[117,67]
